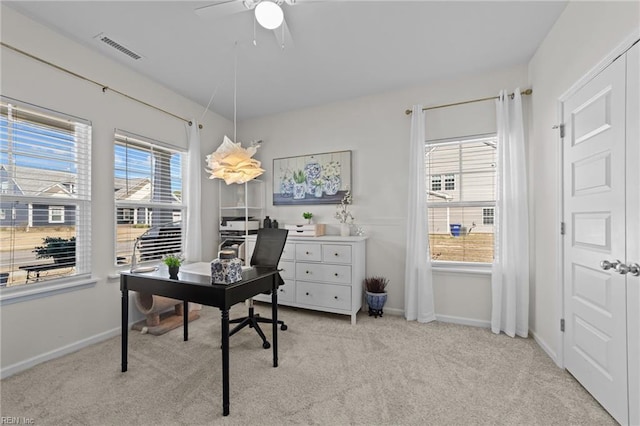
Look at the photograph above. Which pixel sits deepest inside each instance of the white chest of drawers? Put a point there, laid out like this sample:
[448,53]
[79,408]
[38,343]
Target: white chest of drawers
[320,273]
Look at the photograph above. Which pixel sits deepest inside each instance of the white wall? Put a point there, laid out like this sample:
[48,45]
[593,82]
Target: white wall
[39,329]
[585,33]
[376,130]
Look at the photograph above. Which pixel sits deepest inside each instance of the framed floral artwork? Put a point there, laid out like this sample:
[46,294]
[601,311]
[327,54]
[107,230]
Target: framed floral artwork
[311,179]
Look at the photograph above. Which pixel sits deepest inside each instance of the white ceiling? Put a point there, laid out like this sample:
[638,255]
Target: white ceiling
[342,49]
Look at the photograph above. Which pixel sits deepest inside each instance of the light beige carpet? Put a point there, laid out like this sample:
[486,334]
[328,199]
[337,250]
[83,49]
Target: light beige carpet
[380,371]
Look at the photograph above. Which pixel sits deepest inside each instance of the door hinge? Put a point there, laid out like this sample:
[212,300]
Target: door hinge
[562,325]
[561,127]
[562,228]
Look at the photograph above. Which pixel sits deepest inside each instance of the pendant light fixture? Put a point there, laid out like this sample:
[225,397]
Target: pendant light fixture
[231,161]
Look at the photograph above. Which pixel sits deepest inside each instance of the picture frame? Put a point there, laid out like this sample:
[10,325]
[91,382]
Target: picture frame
[311,179]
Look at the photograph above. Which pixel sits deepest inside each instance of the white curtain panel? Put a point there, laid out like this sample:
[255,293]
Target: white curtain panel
[510,273]
[418,290]
[193,234]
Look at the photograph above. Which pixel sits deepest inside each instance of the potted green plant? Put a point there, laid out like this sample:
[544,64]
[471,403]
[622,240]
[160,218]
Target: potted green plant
[173,262]
[375,288]
[62,250]
[308,216]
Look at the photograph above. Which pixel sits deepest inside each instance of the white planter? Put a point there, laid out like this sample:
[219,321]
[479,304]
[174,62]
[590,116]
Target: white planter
[345,230]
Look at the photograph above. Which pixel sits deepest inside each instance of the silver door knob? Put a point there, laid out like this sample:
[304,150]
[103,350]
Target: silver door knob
[633,269]
[606,265]
[622,269]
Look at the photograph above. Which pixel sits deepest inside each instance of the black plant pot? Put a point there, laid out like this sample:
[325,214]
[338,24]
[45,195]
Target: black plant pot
[173,272]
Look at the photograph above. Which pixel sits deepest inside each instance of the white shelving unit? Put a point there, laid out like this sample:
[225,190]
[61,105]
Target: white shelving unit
[240,201]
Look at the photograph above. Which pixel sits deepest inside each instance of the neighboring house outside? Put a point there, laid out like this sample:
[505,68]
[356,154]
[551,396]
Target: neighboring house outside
[135,190]
[19,180]
[461,187]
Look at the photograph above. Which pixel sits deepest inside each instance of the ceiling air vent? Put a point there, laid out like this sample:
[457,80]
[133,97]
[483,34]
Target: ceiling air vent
[119,47]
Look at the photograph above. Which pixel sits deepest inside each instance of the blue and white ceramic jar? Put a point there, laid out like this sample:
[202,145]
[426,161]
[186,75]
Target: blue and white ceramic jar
[331,185]
[227,268]
[299,191]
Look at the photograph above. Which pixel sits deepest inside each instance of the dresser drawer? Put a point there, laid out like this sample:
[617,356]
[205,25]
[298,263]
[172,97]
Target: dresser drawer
[338,274]
[324,295]
[286,293]
[287,269]
[289,252]
[336,253]
[309,252]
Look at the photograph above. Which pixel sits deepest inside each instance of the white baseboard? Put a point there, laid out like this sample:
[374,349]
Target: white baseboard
[390,311]
[65,350]
[545,347]
[463,321]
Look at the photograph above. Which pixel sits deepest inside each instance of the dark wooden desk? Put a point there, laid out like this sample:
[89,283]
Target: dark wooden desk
[199,289]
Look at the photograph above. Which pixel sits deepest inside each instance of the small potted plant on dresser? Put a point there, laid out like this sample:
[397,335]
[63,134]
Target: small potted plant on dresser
[375,289]
[308,216]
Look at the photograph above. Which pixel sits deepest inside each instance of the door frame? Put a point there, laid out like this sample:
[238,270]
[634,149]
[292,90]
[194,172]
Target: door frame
[614,54]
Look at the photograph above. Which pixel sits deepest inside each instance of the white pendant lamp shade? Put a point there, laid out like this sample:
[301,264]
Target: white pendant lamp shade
[269,14]
[233,163]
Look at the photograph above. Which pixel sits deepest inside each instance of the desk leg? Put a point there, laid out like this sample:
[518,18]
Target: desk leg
[274,316]
[185,320]
[125,326]
[225,362]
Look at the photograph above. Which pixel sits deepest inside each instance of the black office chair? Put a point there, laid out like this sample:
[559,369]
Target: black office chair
[269,246]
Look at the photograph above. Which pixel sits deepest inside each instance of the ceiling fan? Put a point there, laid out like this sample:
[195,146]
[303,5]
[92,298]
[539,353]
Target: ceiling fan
[268,13]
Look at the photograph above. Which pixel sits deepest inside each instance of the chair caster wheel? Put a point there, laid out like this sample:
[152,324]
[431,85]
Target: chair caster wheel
[266,345]
[283,327]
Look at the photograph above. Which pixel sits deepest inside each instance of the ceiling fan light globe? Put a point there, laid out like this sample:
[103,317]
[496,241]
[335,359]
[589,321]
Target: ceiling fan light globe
[269,15]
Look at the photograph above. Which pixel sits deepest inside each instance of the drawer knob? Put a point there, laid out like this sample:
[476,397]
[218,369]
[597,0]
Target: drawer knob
[335,297]
[335,254]
[307,293]
[336,274]
[307,253]
[308,272]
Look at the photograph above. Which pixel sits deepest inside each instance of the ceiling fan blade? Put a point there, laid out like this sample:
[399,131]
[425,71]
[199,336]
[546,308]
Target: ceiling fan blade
[283,35]
[221,9]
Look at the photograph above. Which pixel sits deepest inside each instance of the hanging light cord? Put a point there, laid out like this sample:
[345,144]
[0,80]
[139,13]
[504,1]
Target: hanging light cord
[235,89]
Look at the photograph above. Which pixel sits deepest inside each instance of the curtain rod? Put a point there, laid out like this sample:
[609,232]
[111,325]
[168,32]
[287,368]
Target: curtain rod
[524,92]
[102,86]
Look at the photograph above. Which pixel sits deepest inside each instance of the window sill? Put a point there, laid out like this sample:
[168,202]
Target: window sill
[26,292]
[462,268]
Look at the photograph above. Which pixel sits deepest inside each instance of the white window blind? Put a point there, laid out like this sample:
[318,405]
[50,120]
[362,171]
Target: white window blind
[148,198]
[45,175]
[462,174]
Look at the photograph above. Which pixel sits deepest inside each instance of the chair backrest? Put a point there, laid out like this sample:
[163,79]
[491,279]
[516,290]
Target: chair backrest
[269,246]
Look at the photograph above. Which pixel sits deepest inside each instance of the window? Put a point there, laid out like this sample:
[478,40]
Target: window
[47,234]
[461,215]
[487,216]
[436,183]
[56,214]
[148,198]
[449,182]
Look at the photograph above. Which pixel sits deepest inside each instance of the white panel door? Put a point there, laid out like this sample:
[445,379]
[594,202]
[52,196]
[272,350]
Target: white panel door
[633,229]
[594,213]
